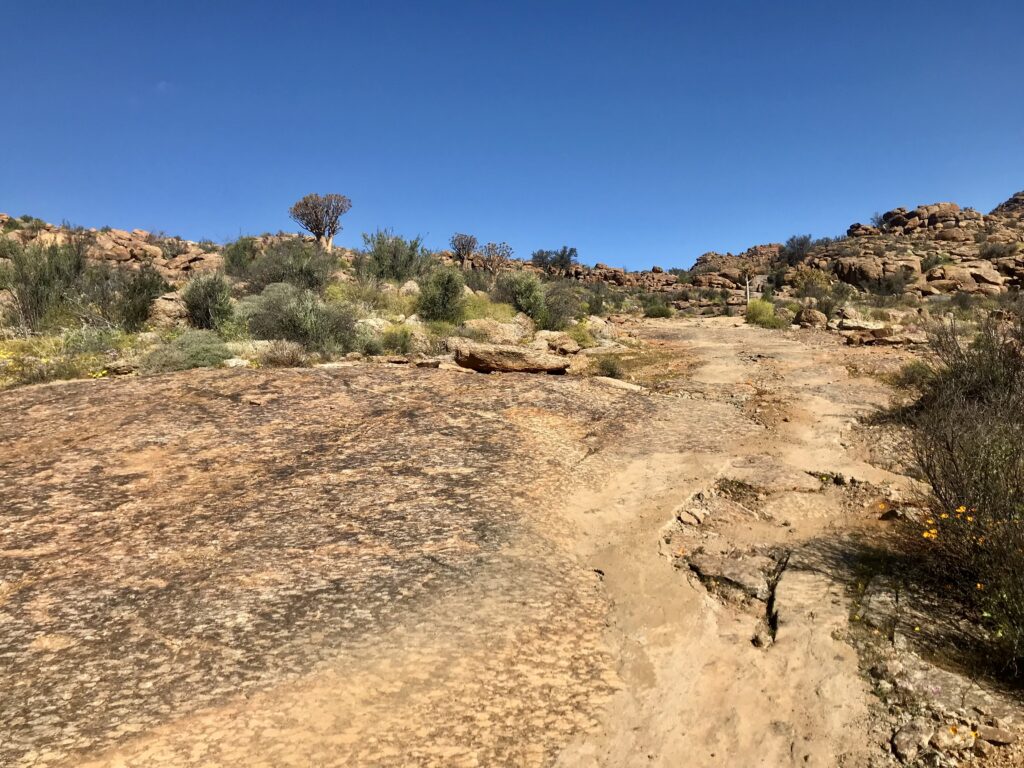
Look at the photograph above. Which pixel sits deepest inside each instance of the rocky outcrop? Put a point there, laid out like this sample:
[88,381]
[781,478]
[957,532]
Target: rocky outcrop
[1014,207]
[175,259]
[505,358]
[495,332]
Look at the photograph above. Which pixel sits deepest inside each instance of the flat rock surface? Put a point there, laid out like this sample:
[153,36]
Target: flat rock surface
[177,548]
[373,565]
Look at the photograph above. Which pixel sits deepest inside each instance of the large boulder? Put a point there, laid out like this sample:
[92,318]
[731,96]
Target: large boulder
[496,332]
[504,358]
[168,311]
[558,341]
[811,318]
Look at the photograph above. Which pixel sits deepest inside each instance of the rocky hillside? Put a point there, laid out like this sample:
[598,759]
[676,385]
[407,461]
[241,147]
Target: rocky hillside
[175,259]
[927,250]
[931,249]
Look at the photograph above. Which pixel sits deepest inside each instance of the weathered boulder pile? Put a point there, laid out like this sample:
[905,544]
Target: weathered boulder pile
[175,259]
[925,251]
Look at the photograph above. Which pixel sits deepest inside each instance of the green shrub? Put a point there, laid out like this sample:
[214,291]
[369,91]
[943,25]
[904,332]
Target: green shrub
[562,260]
[302,264]
[894,284]
[239,255]
[968,441]
[482,307]
[283,354]
[192,349]
[398,340]
[43,279]
[562,306]
[135,295]
[580,333]
[207,300]
[442,296]
[915,376]
[997,250]
[369,344]
[371,295]
[479,279]
[609,366]
[523,291]
[387,256]
[597,296]
[761,312]
[657,307]
[284,311]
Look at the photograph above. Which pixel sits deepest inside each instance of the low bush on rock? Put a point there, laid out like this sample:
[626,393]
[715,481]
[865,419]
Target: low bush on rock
[609,366]
[442,296]
[398,340]
[967,431]
[192,349]
[481,307]
[283,354]
[207,300]
[283,311]
[371,295]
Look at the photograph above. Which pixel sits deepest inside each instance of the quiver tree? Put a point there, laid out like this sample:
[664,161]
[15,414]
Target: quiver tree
[496,257]
[463,247]
[320,215]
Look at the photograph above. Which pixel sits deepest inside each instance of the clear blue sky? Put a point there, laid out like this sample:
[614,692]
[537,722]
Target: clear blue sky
[642,133]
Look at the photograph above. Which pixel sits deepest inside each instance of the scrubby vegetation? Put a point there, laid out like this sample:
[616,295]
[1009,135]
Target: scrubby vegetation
[761,312]
[387,256]
[283,311]
[192,349]
[207,300]
[283,354]
[967,429]
[442,296]
[303,264]
[561,260]
[54,287]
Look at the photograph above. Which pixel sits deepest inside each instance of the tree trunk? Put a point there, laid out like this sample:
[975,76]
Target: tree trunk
[327,243]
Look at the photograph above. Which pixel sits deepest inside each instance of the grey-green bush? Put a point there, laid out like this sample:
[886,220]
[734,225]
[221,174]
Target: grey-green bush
[192,349]
[207,300]
[523,291]
[239,255]
[304,265]
[43,278]
[283,354]
[442,296]
[283,311]
[562,306]
[387,256]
